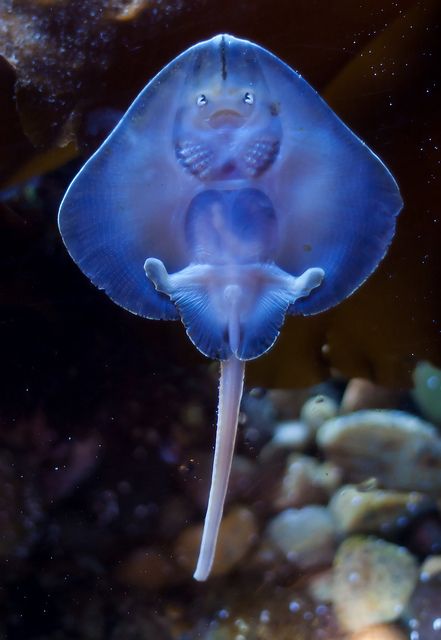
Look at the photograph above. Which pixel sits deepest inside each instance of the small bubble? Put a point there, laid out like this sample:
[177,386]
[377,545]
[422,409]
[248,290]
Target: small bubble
[294,606]
[241,625]
[433,382]
[321,609]
[223,614]
[354,577]
[265,616]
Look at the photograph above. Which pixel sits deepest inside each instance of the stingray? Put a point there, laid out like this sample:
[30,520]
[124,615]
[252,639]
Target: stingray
[228,196]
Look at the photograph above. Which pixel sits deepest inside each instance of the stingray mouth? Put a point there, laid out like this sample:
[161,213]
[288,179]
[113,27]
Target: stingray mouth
[226,119]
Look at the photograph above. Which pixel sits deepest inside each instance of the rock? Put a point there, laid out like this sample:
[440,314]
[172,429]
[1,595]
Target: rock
[147,568]
[257,417]
[423,614]
[174,516]
[427,390]
[266,613]
[317,410]
[266,560]
[306,536]
[238,531]
[430,568]
[306,481]
[357,511]
[364,394]
[288,402]
[380,632]
[373,581]
[398,449]
[320,586]
[291,435]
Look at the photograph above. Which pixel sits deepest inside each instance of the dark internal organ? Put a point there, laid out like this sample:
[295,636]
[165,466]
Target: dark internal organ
[249,160]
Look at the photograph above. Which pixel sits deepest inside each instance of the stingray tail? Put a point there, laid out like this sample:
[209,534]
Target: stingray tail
[230,393]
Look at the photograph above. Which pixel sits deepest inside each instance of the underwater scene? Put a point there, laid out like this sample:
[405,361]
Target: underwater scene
[220,327]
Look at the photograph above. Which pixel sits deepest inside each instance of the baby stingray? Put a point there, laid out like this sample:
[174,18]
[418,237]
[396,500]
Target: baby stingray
[227,196]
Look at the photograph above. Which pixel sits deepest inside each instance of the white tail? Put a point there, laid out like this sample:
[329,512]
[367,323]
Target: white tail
[230,393]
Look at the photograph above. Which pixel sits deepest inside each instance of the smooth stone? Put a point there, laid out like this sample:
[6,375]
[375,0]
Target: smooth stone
[147,568]
[306,536]
[306,481]
[320,586]
[288,402]
[430,568]
[317,410]
[238,532]
[174,515]
[257,417]
[427,390]
[364,394]
[357,511]
[380,632]
[255,612]
[373,581]
[291,435]
[398,449]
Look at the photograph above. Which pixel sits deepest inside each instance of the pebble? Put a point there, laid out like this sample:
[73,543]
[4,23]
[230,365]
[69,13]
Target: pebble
[398,449]
[380,632]
[306,481]
[261,613]
[238,532]
[357,511]
[364,394]
[427,390]
[306,536]
[147,568]
[320,586]
[288,402]
[373,581]
[317,410]
[430,568]
[291,435]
